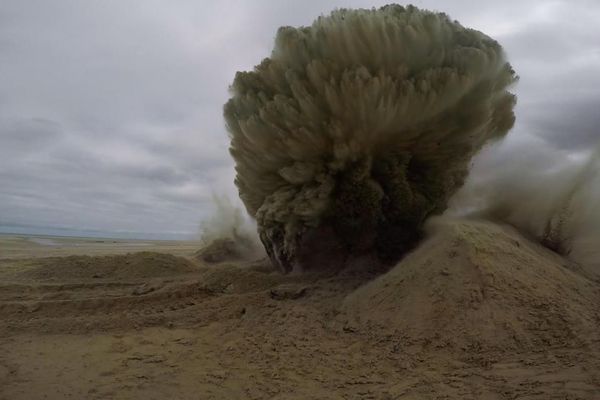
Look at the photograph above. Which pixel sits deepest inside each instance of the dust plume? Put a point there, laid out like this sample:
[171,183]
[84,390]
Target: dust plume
[228,229]
[557,206]
[359,127]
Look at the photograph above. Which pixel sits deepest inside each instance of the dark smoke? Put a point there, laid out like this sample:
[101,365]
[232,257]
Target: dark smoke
[359,127]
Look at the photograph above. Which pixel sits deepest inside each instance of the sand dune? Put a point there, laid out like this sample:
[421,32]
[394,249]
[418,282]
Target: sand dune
[475,312]
[474,285]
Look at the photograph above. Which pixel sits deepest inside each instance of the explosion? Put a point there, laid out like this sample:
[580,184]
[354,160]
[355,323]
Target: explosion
[361,126]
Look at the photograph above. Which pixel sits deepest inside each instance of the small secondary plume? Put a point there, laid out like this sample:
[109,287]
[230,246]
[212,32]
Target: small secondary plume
[228,232]
[359,127]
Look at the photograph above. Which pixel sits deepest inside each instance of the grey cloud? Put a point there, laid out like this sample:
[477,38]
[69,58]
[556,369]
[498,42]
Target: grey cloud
[110,112]
[573,125]
[18,135]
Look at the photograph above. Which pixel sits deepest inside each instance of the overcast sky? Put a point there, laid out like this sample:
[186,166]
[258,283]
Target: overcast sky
[111,111]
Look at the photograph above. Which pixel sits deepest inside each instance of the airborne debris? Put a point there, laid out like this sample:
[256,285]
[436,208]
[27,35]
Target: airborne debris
[361,126]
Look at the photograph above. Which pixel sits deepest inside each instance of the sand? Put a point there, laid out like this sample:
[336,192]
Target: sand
[23,247]
[476,312]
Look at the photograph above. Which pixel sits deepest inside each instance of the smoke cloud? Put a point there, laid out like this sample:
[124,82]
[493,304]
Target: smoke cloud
[228,224]
[556,205]
[359,127]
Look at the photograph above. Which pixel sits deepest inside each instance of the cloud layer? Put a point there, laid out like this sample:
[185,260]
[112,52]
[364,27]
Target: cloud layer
[110,112]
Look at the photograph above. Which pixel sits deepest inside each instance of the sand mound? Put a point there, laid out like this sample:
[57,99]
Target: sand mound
[475,285]
[129,266]
[219,250]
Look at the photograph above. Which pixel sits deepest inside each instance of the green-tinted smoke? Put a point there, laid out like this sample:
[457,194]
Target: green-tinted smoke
[362,125]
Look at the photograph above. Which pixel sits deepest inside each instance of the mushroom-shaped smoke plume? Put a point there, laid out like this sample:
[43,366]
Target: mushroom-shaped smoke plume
[360,126]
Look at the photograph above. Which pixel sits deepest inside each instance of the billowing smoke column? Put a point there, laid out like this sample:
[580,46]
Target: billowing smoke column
[360,126]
